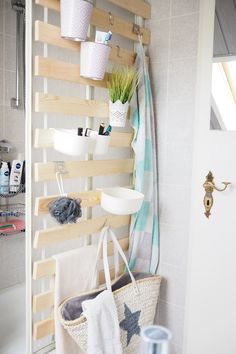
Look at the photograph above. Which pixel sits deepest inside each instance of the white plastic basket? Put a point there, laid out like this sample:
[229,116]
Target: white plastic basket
[75,19]
[118,113]
[68,142]
[93,60]
[121,201]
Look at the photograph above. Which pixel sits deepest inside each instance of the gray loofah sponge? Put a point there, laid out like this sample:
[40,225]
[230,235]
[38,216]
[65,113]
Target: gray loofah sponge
[65,210]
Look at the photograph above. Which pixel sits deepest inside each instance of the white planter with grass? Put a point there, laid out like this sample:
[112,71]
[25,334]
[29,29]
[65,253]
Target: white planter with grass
[121,86]
[118,113]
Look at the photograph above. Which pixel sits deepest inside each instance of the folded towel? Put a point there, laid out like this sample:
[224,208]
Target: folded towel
[103,324]
[12,226]
[73,275]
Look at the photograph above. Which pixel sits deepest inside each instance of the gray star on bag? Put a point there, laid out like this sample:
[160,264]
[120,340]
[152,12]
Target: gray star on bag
[130,323]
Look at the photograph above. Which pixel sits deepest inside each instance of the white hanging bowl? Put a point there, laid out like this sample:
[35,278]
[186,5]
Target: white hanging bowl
[68,142]
[121,201]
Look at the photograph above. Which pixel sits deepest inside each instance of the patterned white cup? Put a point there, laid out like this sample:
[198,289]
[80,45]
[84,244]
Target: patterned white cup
[75,19]
[118,113]
[93,60]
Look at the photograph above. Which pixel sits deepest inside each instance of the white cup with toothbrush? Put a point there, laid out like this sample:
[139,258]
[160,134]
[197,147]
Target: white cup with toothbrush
[94,56]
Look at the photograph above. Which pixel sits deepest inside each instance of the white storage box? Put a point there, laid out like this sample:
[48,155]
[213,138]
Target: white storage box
[93,60]
[121,201]
[68,142]
[75,19]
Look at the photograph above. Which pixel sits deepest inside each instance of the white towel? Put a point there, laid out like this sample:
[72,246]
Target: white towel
[103,324]
[73,275]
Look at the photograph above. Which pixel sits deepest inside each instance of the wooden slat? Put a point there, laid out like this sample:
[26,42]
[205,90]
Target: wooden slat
[43,138]
[44,268]
[46,171]
[45,328]
[112,273]
[73,106]
[63,233]
[88,199]
[45,300]
[230,80]
[50,34]
[60,70]
[138,7]
[47,267]
[101,19]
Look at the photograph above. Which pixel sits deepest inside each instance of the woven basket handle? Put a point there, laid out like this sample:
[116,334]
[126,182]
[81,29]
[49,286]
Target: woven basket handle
[117,248]
[98,256]
[102,245]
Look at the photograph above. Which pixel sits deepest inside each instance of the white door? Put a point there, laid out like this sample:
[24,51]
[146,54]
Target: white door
[211,293]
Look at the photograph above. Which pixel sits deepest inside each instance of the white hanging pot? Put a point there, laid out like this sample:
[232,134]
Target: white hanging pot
[69,143]
[75,19]
[118,113]
[121,201]
[93,60]
[102,144]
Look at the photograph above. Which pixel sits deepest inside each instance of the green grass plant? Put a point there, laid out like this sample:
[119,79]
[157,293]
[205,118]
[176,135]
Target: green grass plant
[122,84]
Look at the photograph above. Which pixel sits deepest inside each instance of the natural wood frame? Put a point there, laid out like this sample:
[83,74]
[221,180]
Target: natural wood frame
[55,69]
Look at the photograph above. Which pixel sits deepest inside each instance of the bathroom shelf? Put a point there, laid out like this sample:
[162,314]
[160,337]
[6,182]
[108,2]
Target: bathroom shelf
[16,232]
[10,210]
[20,190]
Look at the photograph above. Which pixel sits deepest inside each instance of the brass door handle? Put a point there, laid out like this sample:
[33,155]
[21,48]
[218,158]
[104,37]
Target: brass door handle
[209,187]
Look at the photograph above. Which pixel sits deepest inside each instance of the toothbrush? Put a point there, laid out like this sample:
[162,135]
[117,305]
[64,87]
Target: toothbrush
[108,130]
[108,37]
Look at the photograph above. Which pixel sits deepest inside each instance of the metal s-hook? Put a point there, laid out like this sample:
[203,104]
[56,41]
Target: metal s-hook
[140,38]
[209,187]
[137,30]
[60,167]
[105,224]
[118,51]
[60,170]
[111,19]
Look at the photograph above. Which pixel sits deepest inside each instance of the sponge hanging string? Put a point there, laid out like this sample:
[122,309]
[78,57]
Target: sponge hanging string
[60,184]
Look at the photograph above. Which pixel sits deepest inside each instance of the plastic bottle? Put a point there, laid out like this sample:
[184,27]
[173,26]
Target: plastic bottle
[4,178]
[155,340]
[16,174]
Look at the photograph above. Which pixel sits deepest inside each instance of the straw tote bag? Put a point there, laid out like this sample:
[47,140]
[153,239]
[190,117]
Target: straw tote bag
[135,296]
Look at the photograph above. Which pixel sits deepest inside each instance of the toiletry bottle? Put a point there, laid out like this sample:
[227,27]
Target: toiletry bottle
[155,340]
[15,176]
[4,178]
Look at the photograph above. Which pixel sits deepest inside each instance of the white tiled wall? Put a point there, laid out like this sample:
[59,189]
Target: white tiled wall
[173,51]
[11,128]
